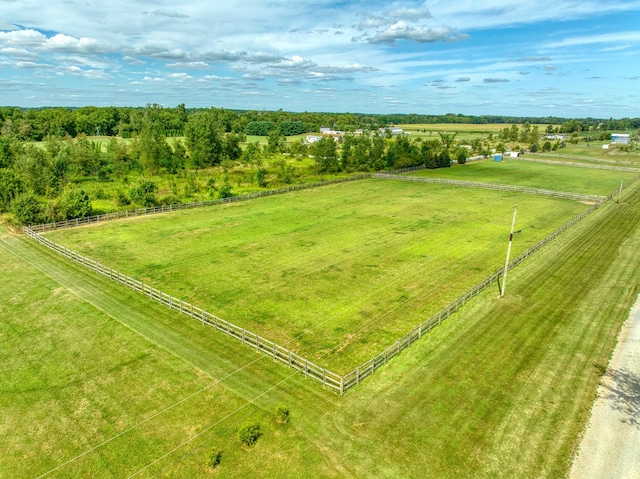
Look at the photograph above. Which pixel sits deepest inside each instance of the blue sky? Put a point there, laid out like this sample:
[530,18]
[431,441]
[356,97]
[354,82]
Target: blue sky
[504,57]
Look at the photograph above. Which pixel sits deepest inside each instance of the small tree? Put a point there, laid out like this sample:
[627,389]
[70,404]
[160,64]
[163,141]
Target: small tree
[214,457]
[249,434]
[282,414]
[145,193]
[261,177]
[26,209]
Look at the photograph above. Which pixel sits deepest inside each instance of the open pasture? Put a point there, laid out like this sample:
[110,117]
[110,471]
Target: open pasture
[95,372]
[335,274]
[463,131]
[534,175]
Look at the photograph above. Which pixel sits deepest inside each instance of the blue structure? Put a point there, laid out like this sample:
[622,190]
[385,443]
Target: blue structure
[497,157]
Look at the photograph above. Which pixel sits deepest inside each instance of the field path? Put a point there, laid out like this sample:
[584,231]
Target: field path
[611,445]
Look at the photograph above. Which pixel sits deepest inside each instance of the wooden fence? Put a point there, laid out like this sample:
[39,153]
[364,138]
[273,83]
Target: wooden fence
[279,353]
[580,165]
[492,186]
[41,228]
[583,158]
[369,367]
[274,350]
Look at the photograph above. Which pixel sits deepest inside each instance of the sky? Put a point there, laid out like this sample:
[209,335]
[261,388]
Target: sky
[565,58]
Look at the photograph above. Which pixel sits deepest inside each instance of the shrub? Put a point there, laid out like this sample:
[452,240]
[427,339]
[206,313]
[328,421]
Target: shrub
[249,434]
[283,414]
[144,194]
[214,457]
[26,209]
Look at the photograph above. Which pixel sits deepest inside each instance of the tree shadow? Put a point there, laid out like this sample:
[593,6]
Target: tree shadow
[623,390]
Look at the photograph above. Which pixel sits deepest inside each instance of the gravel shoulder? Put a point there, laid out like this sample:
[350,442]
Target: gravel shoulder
[611,444]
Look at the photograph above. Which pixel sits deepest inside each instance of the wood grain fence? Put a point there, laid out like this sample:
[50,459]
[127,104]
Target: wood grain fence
[249,338]
[338,383]
[494,186]
[41,228]
[627,169]
[583,158]
[369,367]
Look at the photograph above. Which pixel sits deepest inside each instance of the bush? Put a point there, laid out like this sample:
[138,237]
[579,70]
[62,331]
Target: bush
[259,128]
[26,209]
[249,434]
[144,194]
[283,414]
[214,457]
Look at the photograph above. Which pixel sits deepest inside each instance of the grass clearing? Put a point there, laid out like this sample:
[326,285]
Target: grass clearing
[535,175]
[503,389]
[337,273]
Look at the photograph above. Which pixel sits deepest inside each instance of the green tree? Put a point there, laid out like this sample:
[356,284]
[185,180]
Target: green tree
[231,146]
[249,434]
[276,143]
[326,155]
[10,187]
[144,193]
[26,209]
[153,144]
[261,177]
[461,155]
[203,136]
[259,128]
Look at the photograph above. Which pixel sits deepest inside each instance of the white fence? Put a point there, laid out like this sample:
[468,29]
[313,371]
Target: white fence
[279,353]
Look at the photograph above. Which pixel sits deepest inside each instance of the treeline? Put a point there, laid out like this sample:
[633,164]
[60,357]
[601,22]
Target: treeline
[36,124]
[62,177]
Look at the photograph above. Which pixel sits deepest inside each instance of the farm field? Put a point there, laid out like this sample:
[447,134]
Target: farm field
[535,175]
[595,151]
[503,389]
[337,273]
[628,160]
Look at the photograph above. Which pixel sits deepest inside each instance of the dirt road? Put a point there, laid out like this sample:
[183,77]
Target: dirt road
[611,445]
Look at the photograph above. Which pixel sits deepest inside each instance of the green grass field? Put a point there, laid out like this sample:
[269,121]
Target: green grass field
[337,273]
[535,175]
[502,389]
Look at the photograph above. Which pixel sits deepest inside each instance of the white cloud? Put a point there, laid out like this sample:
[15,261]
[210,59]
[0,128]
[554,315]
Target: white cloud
[179,76]
[22,38]
[617,37]
[421,34]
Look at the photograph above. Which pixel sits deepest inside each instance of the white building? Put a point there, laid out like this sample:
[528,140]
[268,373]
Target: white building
[620,138]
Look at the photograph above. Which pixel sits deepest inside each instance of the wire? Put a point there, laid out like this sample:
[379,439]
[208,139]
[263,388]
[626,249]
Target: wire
[211,426]
[209,386]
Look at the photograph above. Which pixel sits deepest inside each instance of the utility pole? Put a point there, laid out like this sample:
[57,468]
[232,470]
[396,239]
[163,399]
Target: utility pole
[620,192]
[506,263]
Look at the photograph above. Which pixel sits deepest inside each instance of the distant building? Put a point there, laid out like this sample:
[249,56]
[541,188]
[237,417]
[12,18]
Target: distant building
[556,137]
[514,154]
[620,138]
[395,131]
[313,139]
[497,157]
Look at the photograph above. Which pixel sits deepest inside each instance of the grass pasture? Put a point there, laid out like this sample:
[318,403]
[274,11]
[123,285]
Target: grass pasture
[337,273]
[535,175]
[501,390]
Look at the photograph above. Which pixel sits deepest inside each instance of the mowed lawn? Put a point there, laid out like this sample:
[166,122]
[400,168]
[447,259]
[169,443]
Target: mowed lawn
[335,273]
[98,382]
[535,175]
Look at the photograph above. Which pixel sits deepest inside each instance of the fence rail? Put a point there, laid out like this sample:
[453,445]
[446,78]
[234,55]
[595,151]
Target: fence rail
[583,158]
[280,353]
[369,367]
[580,165]
[251,339]
[493,186]
[41,228]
